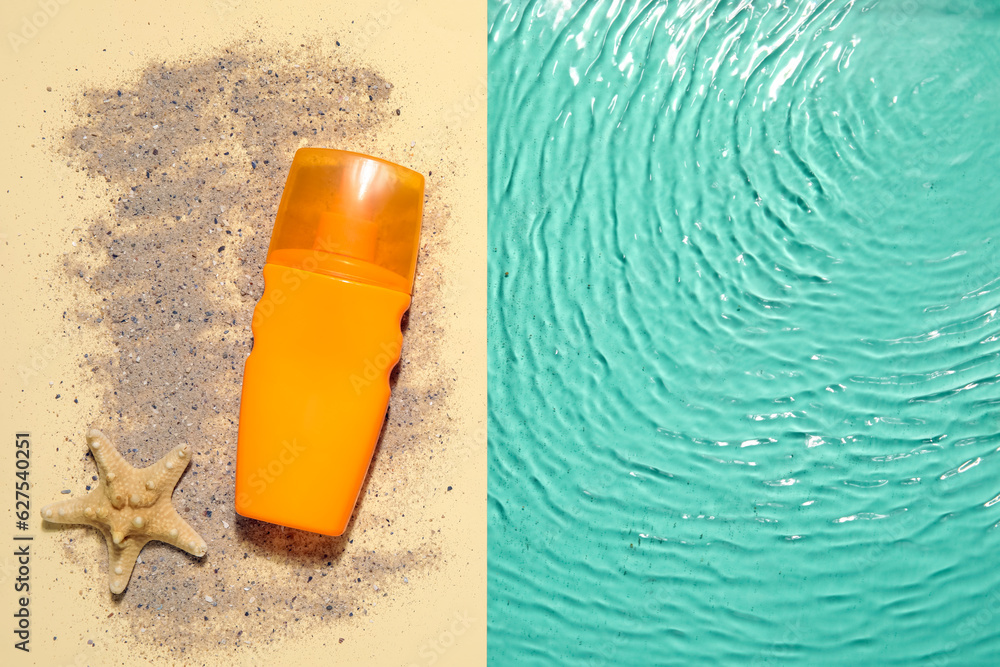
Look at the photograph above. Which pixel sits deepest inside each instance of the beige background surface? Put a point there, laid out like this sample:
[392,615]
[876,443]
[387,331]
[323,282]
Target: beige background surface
[433,51]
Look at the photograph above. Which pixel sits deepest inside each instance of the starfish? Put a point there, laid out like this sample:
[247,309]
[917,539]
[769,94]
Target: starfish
[130,506]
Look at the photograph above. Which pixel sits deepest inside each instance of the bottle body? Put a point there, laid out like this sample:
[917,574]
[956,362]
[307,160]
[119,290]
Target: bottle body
[315,394]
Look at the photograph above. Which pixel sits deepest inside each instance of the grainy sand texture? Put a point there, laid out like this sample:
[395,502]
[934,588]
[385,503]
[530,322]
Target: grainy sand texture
[192,157]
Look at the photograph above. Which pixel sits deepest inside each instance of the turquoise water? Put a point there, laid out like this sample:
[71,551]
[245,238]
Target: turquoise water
[743,337]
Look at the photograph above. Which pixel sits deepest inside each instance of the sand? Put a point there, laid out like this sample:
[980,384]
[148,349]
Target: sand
[192,158]
[181,164]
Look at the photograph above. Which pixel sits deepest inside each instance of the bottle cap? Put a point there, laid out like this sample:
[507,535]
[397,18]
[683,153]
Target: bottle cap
[350,216]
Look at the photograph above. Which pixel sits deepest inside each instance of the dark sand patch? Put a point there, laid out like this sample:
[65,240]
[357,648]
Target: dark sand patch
[192,158]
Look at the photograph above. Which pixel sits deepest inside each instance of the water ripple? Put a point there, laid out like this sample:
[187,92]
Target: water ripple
[744,354]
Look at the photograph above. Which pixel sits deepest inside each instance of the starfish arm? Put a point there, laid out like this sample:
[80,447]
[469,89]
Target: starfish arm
[121,560]
[174,530]
[67,511]
[110,464]
[165,473]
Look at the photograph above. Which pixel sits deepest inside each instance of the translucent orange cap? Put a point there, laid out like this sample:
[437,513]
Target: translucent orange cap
[349,215]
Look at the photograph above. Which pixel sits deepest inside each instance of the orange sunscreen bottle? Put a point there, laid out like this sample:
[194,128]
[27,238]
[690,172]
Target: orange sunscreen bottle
[337,280]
